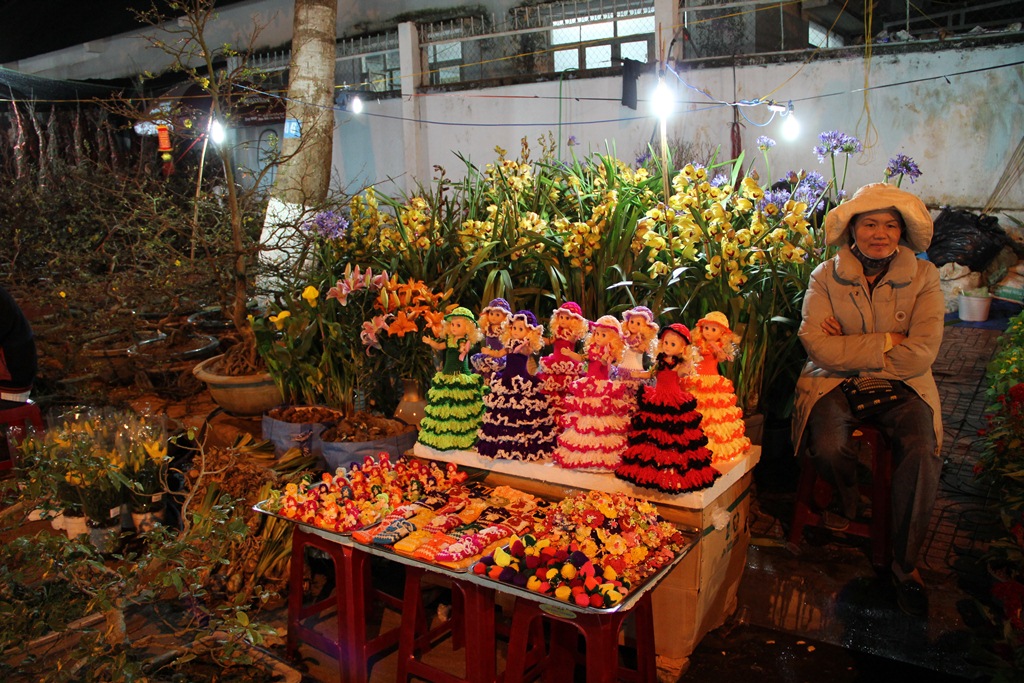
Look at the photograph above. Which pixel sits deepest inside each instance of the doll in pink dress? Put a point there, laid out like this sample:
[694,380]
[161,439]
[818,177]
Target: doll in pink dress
[716,396]
[564,365]
[596,417]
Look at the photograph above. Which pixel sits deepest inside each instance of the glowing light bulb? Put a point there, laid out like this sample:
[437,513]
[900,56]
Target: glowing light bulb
[790,127]
[355,105]
[216,132]
[662,102]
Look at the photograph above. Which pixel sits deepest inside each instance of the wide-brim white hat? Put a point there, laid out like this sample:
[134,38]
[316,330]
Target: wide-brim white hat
[879,197]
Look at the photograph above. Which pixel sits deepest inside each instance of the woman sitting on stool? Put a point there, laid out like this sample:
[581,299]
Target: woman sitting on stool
[18,361]
[872,326]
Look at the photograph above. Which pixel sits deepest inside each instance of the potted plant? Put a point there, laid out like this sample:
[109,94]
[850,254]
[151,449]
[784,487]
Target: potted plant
[142,443]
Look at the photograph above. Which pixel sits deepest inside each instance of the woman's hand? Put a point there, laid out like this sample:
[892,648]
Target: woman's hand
[831,327]
[897,338]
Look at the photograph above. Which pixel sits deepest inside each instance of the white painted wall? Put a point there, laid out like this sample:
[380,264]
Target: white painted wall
[961,129]
[961,132]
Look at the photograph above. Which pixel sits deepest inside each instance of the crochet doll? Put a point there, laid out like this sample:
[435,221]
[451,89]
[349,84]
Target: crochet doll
[596,416]
[639,331]
[491,357]
[517,420]
[564,365]
[667,449]
[716,396]
[455,400]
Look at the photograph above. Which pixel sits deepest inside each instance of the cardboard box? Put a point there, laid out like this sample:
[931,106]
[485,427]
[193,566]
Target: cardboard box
[700,594]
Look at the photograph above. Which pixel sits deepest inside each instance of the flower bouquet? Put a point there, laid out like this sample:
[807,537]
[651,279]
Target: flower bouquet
[142,444]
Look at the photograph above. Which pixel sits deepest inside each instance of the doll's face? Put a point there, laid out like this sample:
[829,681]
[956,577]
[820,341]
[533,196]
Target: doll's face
[518,329]
[673,344]
[711,331]
[603,335]
[495,316]
[635,324]
[459,326]
[562,318]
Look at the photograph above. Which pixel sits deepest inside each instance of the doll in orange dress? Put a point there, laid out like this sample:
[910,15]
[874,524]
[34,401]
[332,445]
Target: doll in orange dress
[716,396]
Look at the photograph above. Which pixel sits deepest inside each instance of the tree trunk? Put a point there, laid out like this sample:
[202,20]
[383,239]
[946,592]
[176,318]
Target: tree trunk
[305,173]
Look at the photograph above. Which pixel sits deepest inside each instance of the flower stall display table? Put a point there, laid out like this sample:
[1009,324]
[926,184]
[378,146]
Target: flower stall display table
[599,627]
[700,593]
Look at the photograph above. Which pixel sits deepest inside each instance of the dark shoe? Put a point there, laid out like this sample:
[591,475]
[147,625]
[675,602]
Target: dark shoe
[912,597]
[834,521]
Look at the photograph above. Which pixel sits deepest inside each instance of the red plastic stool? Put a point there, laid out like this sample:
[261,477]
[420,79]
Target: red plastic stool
[813,495]
[16,420]
[415,639]
[600,632]
[353,591]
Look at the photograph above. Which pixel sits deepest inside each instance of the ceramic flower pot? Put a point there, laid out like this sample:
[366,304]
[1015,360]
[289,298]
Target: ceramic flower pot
[243,396]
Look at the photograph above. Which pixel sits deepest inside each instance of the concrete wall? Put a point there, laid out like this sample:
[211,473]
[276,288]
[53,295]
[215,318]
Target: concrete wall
[960,129]
[955,111]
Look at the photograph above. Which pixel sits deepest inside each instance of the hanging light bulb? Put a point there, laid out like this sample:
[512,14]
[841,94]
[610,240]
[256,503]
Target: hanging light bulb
[216,132]
[790,126]
[355,105]
[662,102]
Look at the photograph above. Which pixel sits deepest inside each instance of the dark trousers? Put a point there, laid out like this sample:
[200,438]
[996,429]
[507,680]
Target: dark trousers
[915,469]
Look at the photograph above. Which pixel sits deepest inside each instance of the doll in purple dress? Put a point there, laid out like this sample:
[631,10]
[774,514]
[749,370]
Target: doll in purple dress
[491,357]
[517,421]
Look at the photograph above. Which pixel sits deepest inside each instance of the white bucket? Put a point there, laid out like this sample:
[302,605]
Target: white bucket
[974,308]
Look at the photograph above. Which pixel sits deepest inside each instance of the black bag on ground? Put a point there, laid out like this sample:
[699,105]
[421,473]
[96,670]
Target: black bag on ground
[964,238]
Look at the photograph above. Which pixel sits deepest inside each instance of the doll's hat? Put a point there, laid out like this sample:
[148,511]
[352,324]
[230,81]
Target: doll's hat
[497,304]
[461,312]
[679,328]
[526,316]
[639,312]
[572,308]
[881,197]
[609,322]
[715,318]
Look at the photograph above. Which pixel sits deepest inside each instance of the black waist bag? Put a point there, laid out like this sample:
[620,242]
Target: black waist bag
[870,395]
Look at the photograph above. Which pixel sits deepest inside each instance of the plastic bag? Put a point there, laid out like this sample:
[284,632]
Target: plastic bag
[955,279]
[964,238]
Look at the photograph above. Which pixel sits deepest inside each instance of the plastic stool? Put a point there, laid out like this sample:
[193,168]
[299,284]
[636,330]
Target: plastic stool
[600,632]
[813,494]
[16,420]
[415,639]
[352,591]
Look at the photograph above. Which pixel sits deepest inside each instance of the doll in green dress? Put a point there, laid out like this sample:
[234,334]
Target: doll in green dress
[455,404]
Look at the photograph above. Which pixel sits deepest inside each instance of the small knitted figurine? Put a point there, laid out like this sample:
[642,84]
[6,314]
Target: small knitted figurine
[596,417]
[563,366]
[716,396]
[517,421]
[455,400]
[639,331]
[491,357]
[666,445]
